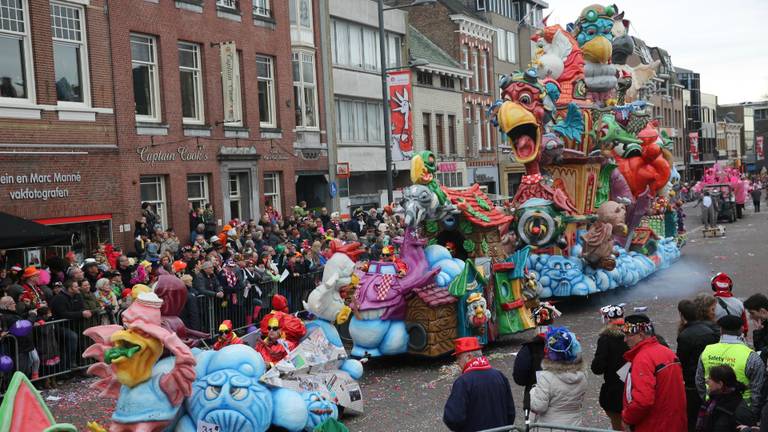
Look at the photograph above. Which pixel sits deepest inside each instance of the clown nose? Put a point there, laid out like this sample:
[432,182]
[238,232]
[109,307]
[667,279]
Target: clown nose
[535,230]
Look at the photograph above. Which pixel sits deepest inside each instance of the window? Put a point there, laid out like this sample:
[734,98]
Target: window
[465,63]
[468,131]
[146,86]
[197,190]
[191,77]
[359,122]
[427,131]
[301,13]
[153,192]
[15,51]
[261,8]
[439,134]
[228,4]
[70,57]
[451,179]
[447,82]
[511,47]
[272,190]
[235,196]
[452,135]
[357,46]
[501,44]
[424,78]
[481,5]
[304,90]
[484,70]
[475,74]
[266,80]
[394,48]
[488,135]
[477,138]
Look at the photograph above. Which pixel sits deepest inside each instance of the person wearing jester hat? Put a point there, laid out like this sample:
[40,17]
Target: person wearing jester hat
[226,336]
[274,347]
[727,304]
[528,359]
[558,396]
[609,358]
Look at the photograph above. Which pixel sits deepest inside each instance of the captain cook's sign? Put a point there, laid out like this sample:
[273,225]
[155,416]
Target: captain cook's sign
[149,155]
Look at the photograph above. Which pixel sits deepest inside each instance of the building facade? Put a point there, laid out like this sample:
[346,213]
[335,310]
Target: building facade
[58,149]
[438,107]
[752,116]
[468,39]
[205,105]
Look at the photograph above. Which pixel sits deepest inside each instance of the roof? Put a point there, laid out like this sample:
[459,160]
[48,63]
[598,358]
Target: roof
[433,296]
[423,48]
[476,207]
[457,6]
[20,233]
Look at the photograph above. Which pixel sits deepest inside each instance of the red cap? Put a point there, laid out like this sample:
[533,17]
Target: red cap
[279,303]
[178,266]
[721,282]
[466,344]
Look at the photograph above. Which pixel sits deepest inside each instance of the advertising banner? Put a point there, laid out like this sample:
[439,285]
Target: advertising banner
[400,115]
[230,82]
[693,140]
[759,147]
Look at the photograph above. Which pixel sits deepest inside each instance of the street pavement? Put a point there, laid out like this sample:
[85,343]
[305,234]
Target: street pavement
[407,393]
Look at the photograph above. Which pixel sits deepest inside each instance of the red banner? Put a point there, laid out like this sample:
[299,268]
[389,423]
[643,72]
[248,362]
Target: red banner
[759,147]
[693,140]
[400,115]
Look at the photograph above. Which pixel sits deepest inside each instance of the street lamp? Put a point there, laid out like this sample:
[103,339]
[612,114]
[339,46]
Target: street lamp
[384,91]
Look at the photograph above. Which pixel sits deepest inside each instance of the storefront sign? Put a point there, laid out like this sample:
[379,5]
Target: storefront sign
[274,154]
[447,167]
[150,156]
[400,115]
[230,82]
[759,147]
[693,140]
[43,192]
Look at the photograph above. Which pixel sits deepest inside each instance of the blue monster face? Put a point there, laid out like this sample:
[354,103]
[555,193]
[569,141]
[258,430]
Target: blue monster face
[227,391]
[590,30]
[320,409]
[563,276]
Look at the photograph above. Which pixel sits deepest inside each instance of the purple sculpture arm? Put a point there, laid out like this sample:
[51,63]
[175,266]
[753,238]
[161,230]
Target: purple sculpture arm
[636,211]
[620,191]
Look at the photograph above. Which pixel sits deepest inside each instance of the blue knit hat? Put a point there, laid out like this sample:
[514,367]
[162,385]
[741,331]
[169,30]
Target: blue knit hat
[562,345]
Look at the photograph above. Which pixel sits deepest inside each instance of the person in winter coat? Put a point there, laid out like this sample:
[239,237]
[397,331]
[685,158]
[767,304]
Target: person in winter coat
[757,308]
[733,351]
[558,396]
[756,194]
[29,361]
[725,410]
[727,304]
[609,358]
[528,359]
[696,332]
[480,397]
[654,391]
[206,282]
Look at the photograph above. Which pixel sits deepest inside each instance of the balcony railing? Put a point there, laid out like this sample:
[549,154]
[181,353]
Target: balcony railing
[227,4]
[262,11]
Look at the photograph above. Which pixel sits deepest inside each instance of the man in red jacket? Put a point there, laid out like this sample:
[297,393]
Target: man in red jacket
[654,392]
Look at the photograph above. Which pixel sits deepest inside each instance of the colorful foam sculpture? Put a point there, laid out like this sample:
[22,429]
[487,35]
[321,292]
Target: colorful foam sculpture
[23,409]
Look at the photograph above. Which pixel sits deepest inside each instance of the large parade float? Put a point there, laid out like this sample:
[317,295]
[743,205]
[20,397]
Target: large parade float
[594,212]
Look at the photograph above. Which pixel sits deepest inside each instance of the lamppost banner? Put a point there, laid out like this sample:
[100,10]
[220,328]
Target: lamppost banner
[230,82]
[400,115]
[693,140]
[759,147]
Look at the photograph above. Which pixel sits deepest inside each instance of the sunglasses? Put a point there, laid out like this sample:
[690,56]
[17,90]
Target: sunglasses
[273,328]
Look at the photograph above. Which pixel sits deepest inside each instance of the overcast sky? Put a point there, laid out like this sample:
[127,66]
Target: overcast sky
[725,41]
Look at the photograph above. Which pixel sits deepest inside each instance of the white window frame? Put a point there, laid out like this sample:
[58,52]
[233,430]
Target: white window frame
[478,141]
[227,4]
[465,63]
[262,8]
[29,63]
[484,69]
[295,5]
[366,122]
[155,79]
[394,49]
[475,72]
[274,196]
[83,45]
[203,180]
[511,45]
[300,56]
[159,181]
[198,74]
[501,44]
[271,121]
[488,136]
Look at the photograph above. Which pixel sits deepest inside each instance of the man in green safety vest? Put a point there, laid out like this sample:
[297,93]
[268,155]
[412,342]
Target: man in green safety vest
[732,351]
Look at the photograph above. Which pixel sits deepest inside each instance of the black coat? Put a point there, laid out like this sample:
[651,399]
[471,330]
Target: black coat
[65,306]
[760,339]
[480,399]
[696,335]
[206,285]
[609,358]
[730,411]
[7,318]
[527,363]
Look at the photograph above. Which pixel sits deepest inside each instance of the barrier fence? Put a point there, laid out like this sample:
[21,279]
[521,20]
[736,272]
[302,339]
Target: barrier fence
[60,344]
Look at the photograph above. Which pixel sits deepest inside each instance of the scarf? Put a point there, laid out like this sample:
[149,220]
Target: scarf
[477,363]
[704,419]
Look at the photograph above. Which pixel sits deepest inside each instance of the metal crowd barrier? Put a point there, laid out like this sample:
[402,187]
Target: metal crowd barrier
[544,427]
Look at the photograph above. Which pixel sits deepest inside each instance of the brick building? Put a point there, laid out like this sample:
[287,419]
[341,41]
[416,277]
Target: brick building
[58,149]
[206,111]
[469,40]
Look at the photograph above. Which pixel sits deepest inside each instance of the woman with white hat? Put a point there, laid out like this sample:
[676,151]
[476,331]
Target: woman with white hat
[609,358]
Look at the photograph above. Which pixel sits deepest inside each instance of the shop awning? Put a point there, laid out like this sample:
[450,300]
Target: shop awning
[18,233]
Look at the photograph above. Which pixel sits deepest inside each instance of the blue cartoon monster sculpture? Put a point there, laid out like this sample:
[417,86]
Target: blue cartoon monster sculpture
[319,410]
[227,393]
